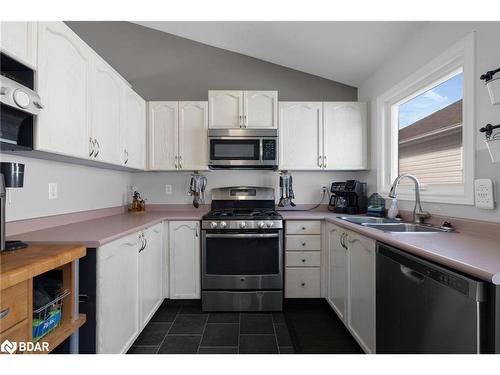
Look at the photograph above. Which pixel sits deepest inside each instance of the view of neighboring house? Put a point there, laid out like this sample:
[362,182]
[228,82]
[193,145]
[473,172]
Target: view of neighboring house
[431,148]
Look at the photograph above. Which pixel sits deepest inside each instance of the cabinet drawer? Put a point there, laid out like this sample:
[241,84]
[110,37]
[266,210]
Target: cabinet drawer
[18,333]
[303,243]
[303,227]
[303,259]
[13,305]
[302,283]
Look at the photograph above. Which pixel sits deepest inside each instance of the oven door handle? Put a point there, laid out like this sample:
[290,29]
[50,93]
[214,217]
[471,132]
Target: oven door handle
[243,235]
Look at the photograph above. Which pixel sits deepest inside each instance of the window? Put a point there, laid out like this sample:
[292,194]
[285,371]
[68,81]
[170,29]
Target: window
[428,129]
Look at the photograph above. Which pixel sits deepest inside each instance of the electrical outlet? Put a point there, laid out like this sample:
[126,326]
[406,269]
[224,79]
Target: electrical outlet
[168,189]
[483,189]
[324,187]
[52,190]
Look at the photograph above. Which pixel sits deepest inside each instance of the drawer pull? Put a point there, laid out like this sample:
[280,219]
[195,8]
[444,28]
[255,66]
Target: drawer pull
[303,244]
[4,313]
[303,228]
[303,260]
[303,284]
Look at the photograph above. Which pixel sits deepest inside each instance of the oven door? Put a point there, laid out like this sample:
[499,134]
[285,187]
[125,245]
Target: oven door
[242,260]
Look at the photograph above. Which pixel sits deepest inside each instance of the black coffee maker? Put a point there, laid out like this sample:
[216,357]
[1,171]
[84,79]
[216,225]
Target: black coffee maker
[348,197]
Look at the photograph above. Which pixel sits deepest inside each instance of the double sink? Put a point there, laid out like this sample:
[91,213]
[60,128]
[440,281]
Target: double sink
[392,225]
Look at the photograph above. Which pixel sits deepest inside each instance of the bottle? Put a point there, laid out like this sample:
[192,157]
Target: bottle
[393,210]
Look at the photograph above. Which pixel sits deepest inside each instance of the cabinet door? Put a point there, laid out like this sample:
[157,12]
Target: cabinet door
[150,273]
[64,64]
[337,272]
[361,310]
[106,112]
[345,135]
[184,239]
[225,109]
[163,135]
[193,126]
[134,130]
[301,143]
[260,109]
[18,39]
[117,320]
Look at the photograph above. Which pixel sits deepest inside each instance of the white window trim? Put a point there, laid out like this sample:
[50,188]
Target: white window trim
[459,55]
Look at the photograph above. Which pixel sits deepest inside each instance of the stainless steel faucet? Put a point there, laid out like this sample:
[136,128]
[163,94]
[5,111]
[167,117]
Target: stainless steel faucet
[419,215]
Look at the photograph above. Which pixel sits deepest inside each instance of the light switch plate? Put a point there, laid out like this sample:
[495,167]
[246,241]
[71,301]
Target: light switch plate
[52,190]
[483,189]
[168,189]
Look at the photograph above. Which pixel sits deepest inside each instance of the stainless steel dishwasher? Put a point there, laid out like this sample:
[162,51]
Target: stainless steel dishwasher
[426,308]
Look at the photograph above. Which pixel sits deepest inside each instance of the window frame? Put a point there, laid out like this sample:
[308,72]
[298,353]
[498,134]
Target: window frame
[442,68]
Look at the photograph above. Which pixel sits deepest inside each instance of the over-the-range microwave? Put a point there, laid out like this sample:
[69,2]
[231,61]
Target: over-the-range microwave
[243,148]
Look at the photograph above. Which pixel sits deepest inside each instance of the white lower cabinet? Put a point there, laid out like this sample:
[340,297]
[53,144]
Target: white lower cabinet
[117,300]
[150,273]
[129,288]
[185,256]
[303,259]
[351,289]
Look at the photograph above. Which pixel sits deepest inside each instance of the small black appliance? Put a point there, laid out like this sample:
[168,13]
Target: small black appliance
[348,197]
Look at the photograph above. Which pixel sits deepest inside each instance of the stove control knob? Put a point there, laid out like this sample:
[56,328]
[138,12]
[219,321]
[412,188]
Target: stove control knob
[269,224]
[261,225]
[242,225]
[213,224]
[223,224]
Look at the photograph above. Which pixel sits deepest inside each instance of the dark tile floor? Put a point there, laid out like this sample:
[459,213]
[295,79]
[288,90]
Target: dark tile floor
[181,327]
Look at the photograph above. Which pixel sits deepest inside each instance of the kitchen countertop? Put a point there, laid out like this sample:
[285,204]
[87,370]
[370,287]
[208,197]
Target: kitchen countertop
[465,251]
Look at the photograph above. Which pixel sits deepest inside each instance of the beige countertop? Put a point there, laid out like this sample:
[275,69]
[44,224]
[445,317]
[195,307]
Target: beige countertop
[468,250]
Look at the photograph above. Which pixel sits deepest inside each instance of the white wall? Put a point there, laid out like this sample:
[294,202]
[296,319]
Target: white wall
[80,188]
[307,185]
[432,40]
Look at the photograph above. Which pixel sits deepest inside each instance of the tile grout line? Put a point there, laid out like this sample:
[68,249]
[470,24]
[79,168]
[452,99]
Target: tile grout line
[276,338]
[166,334]
[203,333]
[239,332]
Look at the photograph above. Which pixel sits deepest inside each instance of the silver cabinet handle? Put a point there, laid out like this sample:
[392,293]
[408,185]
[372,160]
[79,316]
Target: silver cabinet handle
[175,162]
[320,162]
[241,121]
[324,161]
[98,147]
[245,121]
[126,153]
[4,313]
[91,147]
[180,161]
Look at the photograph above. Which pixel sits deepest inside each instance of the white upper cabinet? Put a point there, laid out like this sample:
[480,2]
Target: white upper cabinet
[150,273]
[345,135]
[134,130]
[185,254]
[301,143]
[225,109]
[178,135]
[64,68]
[260,109]
[193,127]
[361,310]
[18,39]
[337,271]
[106,113]
[231,109]
[163,128]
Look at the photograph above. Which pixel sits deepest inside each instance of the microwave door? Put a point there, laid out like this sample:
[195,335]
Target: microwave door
[235,152]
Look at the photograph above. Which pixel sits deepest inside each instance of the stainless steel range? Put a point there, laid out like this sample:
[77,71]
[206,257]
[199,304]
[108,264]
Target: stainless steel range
[242,251]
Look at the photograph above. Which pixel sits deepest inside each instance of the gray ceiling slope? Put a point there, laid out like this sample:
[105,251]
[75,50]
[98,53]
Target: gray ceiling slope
[162,66]
[346,52]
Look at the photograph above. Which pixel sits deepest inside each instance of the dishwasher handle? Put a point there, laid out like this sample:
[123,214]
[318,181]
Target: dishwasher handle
[411,274]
